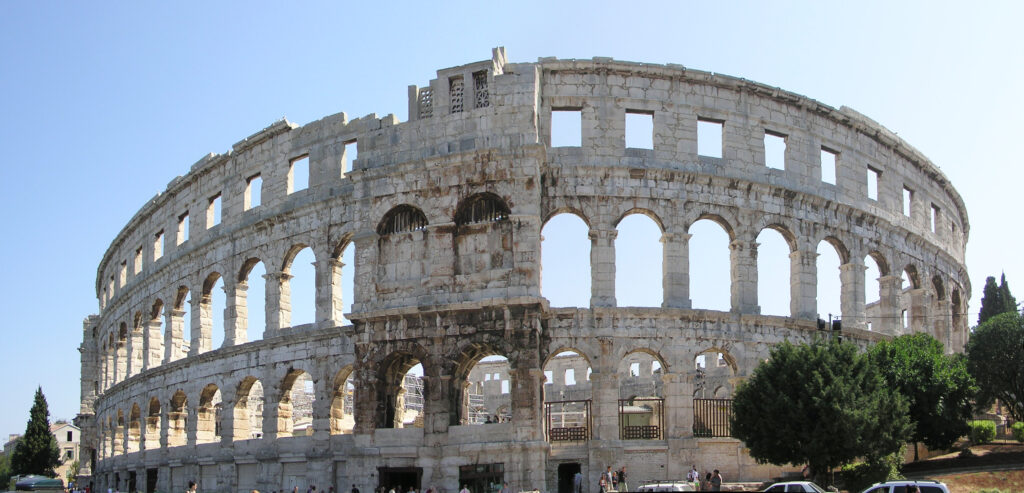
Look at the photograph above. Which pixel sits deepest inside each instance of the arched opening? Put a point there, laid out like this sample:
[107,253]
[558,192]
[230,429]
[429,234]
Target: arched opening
[181,340]
[567,397]
[121,356]
[958,330]
[401,392]
[638,262]
[137,350]
[402,246]
[119,437]
[153,424]
[343,403]
[298,292]
[208,415]
[829,292]
[155,334]
[134,428]
[212,305]
[487,388]
[295,411]
[565,261]
[641,397]
[251,300]
[248,412]
[177,417]
[908,312]
[773,273]
[346,286]
[710,266]
[713,383]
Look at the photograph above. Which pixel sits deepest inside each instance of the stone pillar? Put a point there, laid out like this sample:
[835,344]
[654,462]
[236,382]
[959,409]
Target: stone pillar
[328,292]
[165,425]
[278,304]
[154,345]
[920,301]
[942,321]
[602,267]
[803,286]
[851,294]
[678,394]
[121,361]
[174,334]
[364,402]
[890,312]
[527,383]
[675,270]
[605,405]
[191,425]
[202,325]
[236,313]
[365,275]
[743,272]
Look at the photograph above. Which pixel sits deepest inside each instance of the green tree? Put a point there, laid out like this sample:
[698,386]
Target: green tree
[37,452]
[995,357]
[937,387]
[1009,302]
[5,470]
[824,404]
[996,299]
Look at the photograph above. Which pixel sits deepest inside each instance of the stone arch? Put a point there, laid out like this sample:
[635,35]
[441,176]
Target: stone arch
[567,403]
[250,300]
[211,338]
[297,286]
[152,434]
[915,279]
[775,246]
[719,368]
[721,218]
[402,218]
[483,237]
[781,225]
[481,207]
[177,419]
[248,410]
[565,259]
[830,286]
[938,286]
[710,262]
[394,397]
[574,211]
[466,358]
[343,402]
[119,433]
[134,428]
[291,408]
[341,272]
[402,247]
[639,258]
[121,353]
[644,365]
[643,211]
[208,414]
[880,261]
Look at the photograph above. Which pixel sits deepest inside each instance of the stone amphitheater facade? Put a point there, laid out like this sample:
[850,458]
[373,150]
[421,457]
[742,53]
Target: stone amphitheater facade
[445,213]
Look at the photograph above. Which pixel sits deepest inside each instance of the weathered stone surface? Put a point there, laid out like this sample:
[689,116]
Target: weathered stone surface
[445,213]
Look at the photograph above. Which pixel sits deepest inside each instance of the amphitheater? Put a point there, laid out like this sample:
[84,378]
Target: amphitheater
[444,213]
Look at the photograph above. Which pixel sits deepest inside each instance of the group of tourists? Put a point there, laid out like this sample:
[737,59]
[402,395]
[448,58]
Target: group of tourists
[711,481]
[609,481]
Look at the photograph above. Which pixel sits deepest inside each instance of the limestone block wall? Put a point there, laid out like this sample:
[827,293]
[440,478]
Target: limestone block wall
[444,212]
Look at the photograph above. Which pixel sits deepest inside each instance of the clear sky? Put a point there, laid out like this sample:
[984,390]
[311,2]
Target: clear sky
[102,104]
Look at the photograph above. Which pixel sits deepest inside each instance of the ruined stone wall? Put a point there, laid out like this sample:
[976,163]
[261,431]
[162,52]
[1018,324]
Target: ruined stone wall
[445,213]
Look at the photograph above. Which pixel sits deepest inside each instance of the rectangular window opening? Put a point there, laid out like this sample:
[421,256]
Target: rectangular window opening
[122,274]
[213,212]
[158,245]
[829,160]
[634,369]
[549,377]
[566,128]
[639,129]
[298,174]
[570,377]
[253,193]
[351,153]
[183,228]
[504,386]
[774,150]
[935,218]
[873,175]
[908,199]
[487,377]
[456,87]
[710,137]
[137,262]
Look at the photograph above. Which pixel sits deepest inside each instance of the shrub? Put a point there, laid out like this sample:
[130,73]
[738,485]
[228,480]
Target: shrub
[1018,431]
[982,431]
[857,477]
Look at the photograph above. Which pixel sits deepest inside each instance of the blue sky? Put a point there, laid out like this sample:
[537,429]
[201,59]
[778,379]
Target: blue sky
[101,105]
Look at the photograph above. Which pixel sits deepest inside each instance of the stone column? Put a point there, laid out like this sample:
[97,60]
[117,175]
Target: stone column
[364,402]
[236,313]
[120,361]
[920,300]
[942,321]
[191,425]
[678,395]
[527,383]
[136,351]
[743,272]
[174,334]
[803,286]
[890,312]
[365,275]
[851,294]
[604,387]
[328,292]
[202,325]
[154,345]
[602,266]
[675,270]
[278,305]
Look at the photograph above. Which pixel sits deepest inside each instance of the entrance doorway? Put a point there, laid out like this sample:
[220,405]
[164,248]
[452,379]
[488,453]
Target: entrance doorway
[482,478]
[399,478]
[151,475]
[566,473]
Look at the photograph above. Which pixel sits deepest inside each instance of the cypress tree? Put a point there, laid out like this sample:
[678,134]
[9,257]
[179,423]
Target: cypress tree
[37,452]
[991,305]
[1009,302]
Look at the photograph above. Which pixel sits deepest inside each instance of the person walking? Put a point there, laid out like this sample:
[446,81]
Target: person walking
[622,486]
[716,481]
[191,487]
[577,482]
[465,489]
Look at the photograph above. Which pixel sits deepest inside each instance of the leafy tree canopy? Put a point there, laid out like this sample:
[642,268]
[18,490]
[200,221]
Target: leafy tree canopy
[937,386]
[37,452]
[824,404]
[995,357]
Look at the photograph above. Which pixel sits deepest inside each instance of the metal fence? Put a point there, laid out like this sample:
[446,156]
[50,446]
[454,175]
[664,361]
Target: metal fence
[568,421]
[711,417]
[642,418]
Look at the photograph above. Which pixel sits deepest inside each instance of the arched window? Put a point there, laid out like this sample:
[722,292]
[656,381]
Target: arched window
[565,261]
[402,219]
[480,208]
[638,259]
[710,266]
[773,273]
